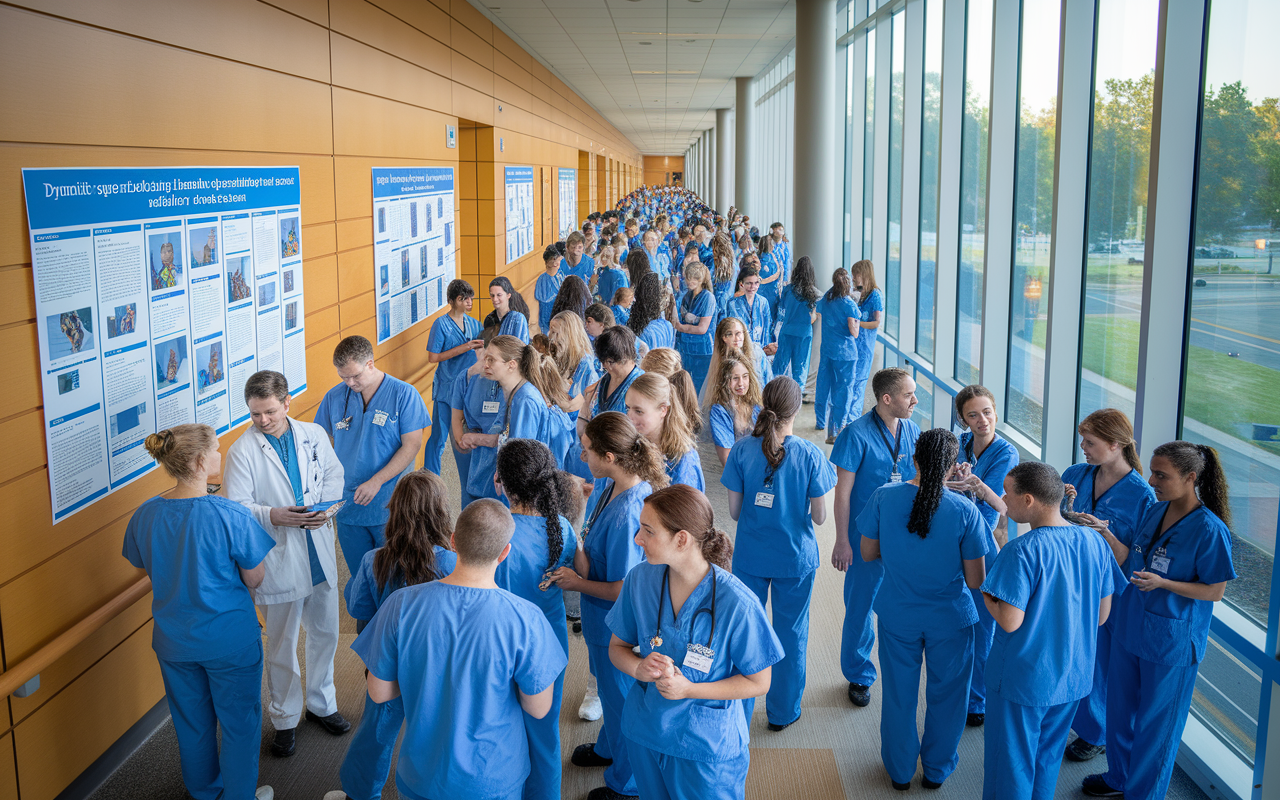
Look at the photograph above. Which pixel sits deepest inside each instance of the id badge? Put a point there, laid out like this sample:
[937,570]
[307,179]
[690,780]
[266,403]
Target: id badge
[699,658]
[895,477]
[489,407]
[764,500]
[380,418]
[1160,564]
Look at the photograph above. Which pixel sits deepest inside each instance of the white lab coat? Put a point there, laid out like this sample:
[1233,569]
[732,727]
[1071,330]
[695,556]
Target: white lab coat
[255,477]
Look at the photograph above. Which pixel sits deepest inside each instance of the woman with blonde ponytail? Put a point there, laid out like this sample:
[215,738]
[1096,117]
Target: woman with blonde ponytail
[658,412]
[704,646]
[776,484]
[1110,496]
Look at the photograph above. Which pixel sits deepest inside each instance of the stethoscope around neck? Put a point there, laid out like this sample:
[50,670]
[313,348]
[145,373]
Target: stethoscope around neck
[655,641]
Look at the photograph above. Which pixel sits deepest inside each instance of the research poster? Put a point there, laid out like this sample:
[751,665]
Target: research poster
[414,242]
[159,291]
[568,183]
[519,194]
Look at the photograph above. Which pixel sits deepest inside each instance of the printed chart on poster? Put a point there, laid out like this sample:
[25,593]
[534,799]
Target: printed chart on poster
[414,240]
[159,291]
[519,194]
[568,184]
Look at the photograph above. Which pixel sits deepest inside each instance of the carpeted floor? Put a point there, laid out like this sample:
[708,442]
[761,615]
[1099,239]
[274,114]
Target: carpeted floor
[833,752]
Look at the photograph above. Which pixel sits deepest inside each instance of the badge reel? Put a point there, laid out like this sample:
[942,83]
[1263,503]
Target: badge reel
[343,424]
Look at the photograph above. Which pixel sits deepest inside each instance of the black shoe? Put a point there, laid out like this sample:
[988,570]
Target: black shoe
[975,720]
[335,724]
[1080,750]
[928,784]
[577,627]
[859,695]
[584,755]
[1097,786]
[902,787]
[286,744]
[775,727]
[605,793]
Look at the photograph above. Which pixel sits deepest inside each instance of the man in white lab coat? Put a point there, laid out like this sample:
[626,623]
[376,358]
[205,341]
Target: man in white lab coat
[278,468]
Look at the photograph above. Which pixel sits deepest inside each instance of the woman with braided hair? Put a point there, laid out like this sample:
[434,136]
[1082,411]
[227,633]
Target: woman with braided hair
[1179,563]
[932,542]
[543,541]
[777,482]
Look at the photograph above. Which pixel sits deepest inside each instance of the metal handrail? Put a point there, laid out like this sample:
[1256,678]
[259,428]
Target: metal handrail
[30,667]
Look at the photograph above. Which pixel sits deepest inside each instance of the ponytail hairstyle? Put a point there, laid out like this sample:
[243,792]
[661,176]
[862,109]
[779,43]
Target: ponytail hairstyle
[683,508]
[574,296]
[863,273]
[1203,460]
[747,271]
[612,432]
[1113,427]
[936,452]
[969,393]
[721,394]
[529,477]
[637,265]
[662,360]
[419,522]
[722,257]
[178,448]
[686,396]
[803,280]
[676,438]
[516,303]
[536,368]
[569,342]
[781,403]
[648,305]
[840,285]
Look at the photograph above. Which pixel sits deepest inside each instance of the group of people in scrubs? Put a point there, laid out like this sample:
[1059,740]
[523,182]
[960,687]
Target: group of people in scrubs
[582,487]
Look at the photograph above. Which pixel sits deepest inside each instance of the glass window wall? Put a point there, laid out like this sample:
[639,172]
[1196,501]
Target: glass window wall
[973,189]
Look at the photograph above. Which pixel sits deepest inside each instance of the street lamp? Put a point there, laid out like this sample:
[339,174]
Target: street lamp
[1261,244]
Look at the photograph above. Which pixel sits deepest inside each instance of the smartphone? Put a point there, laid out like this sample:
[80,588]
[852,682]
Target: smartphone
[327,509]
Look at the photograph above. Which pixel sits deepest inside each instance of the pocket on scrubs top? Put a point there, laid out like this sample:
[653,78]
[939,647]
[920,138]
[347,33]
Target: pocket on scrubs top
[714,734]
[1166,641]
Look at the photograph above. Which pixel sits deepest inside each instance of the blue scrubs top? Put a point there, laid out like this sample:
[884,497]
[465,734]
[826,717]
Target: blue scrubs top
[617,400]
[191,548]
[659,333]
[584,375]
[1058,577]
[743,643]
[467,739]
[545,290]
[560,433]
[621,316]
[775,531]
[770,265]
[867,336]
[991,468]
[287,452]
[756,316]
[794,314]
[724,293]
[362,594]
[699,306]
[584,269]
[924,588]
[446,335]
[865,448]
[1161,626]
[1123,505]
[660,262]
[514,324]
[611,548]
[687,471]
[837,343]
[368,441]
[723,432]
[523,569]
[480,399]
[609,282]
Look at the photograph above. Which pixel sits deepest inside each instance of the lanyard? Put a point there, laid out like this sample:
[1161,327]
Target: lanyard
[595,513]
[1148,556]
[656,640]
[506,421]
[897,439]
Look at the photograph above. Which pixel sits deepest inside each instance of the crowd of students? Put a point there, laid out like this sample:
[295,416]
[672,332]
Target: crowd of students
[582,501]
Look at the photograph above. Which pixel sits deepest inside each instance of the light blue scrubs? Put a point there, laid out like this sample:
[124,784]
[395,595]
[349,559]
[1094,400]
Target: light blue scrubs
[723,431]
[584,375]
[560,433]
[1035,676]
[611,548]
[687,471]
[523,417]
[661,264]
[367,763]
[515,324]
[680,753]
[925,613]
[206,633]
[621,315]
[481,402]
[1160,640]
[795,337]
[482,644]
[586,266]
[991,466]
[365,438]
[776,546]
[758,319]
[724,293]
[609,282]
[867,344]
[545,290]
[695,349]
[659,333]
[866,448]
[521,573]
[1122,506]
[770,266]
[838,365]
[617,398]
[446,335]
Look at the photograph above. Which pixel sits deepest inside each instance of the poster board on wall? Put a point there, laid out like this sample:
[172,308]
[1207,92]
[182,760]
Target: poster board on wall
[519,206]
[414,244]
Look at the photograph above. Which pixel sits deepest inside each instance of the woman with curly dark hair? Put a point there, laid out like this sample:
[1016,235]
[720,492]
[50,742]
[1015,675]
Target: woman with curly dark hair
[796,311]
[648,316]
[573,296]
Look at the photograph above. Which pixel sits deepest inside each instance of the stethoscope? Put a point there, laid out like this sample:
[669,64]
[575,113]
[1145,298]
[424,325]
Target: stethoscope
[345,422]
[655,641]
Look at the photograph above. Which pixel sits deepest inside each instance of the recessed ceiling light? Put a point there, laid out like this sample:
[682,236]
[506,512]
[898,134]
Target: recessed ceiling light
[690,41]
[644,42]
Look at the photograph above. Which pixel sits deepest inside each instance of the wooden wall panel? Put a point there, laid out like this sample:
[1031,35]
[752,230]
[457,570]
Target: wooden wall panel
[8,770]
[364,125]
[365,69]
[429,18]
[367,23]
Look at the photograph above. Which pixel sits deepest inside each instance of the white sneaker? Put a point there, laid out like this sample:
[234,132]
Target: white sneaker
[336,794]
[264,793]
[590,710]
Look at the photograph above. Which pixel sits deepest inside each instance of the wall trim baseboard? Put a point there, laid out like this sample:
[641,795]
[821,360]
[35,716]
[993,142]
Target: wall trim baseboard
[101,770]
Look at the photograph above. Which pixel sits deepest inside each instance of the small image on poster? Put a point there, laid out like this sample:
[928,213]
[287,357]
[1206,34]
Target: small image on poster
[172,366]
[266,293]
[163,250]
[290,316]
[384,320]
[288,281]
[290,238]
[204,246]
[238,279]
[209,368]
[70,333]
[124,321]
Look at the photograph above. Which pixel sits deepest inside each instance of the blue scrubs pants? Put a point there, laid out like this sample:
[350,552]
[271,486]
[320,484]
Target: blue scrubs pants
[1148,704]
[983,634]
[463,460]
[356,540]
[1023,749]
[838,382]
[1090,722]
[441,417]
[545,761]
[861,584]
[203,695]
[822,395]
[697,367]
[663,777]
[858,392]
[948,661]
[367,763]
[792,357]
[613,687]
[791,598]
